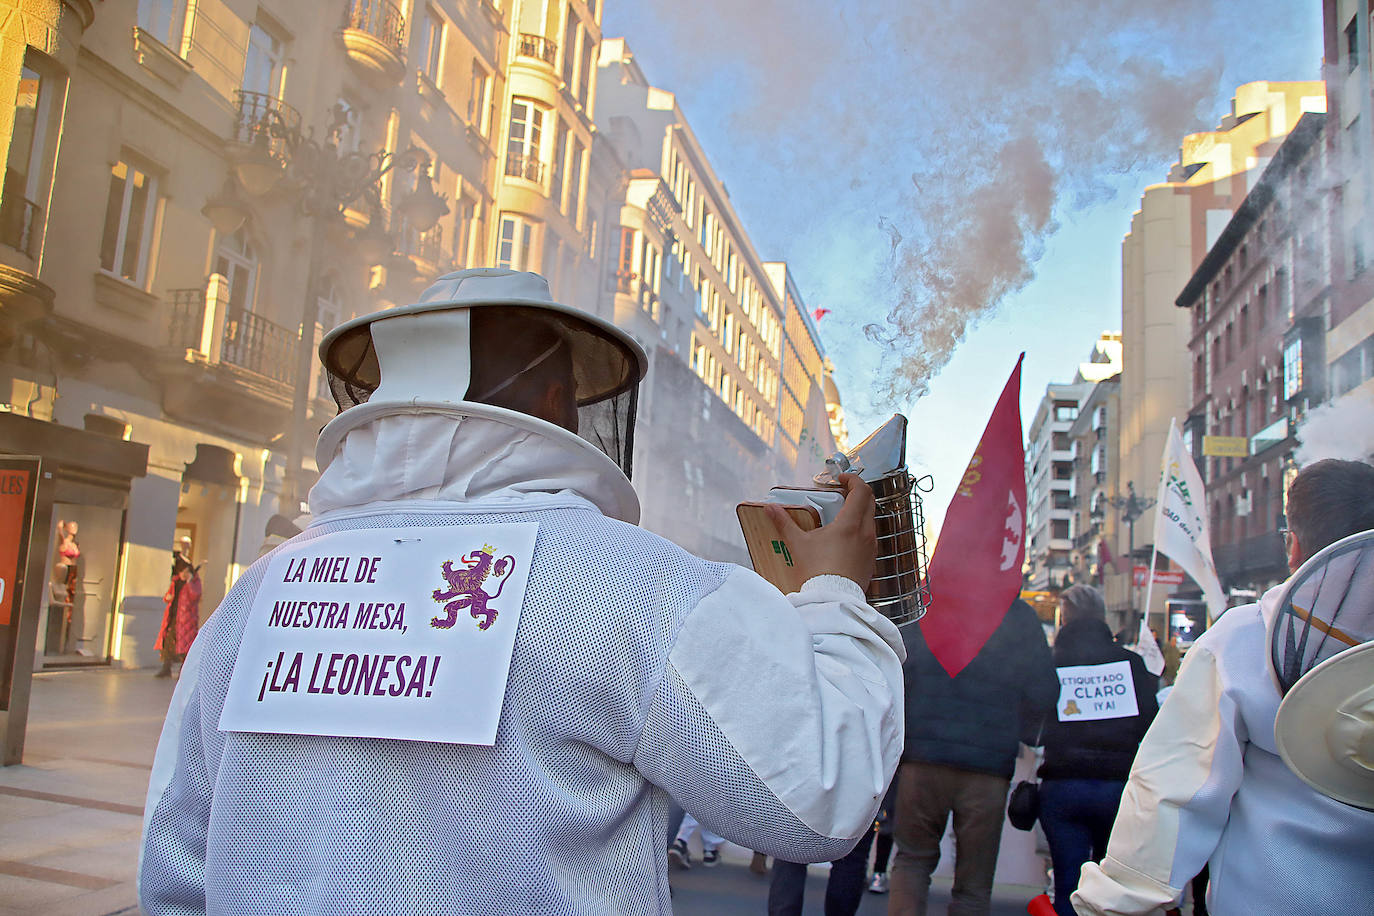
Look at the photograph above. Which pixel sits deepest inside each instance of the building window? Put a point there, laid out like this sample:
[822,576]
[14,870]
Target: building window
[525,140]
[584,76]
[26,180]
[515,244]
[129,215]
[560,154]
[237,261]
[1292,369]
[464,215]
[431,45]
[165,20]
[479,99]
[570,50]
[575,170]
[263,66]
[1352,45]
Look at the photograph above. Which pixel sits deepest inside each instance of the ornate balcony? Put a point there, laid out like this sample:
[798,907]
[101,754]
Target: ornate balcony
[258,142]
[424,250]
[374,37]
[524,166]
[538,47]
[228,362]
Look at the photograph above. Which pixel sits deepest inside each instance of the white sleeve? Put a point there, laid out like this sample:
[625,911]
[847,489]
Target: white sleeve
[779,721]
[1176,802]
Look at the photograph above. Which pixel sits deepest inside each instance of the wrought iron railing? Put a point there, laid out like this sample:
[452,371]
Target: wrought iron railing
[248,340]
[626,281]
[265,121]
[525,166]
[427,246]
[545,49]
[382,20]
[188,318]
[20,221]
[252,342]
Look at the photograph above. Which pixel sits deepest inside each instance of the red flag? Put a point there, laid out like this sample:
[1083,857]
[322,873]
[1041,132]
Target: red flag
[975,572]
[818,314]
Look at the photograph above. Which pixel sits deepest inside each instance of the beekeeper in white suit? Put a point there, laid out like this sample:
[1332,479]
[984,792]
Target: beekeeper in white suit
[344,741]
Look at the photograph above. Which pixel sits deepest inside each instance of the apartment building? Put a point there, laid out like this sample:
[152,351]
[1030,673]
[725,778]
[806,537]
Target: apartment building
[1259,304]
[1096,546]
[1349,318]
[193,193]
[554,182]
[737,398]
[1178,221]
[1052,488]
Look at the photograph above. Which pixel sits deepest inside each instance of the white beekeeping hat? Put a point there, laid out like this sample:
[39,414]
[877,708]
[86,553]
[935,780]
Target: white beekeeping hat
[420,356]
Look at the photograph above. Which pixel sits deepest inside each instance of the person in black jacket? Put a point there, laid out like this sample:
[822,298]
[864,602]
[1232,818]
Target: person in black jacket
[962,734]
[1106,703]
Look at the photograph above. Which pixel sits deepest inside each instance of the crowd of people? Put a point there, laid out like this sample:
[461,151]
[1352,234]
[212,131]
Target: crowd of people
[805,728]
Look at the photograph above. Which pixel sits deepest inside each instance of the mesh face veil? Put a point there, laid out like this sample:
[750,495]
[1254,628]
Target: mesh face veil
[425,355]
[1327,608]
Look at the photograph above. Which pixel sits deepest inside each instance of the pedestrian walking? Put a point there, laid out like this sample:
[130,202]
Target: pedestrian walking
[962,737]
[1106,703]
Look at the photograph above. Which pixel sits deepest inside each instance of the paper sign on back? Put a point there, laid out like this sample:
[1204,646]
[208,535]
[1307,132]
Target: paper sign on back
[1089,692]
[384,633]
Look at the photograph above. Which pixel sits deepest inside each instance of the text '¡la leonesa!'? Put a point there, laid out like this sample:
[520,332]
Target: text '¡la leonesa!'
[351,674]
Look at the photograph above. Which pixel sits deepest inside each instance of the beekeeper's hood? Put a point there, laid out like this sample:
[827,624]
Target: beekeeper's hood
[420,357]
[1321,653]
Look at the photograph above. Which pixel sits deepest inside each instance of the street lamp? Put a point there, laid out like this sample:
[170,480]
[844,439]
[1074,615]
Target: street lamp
[329,182]
[1132,508]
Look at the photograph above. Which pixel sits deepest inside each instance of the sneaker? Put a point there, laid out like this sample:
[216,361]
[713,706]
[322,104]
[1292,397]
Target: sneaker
[879,883]
[710,857]
[678,855]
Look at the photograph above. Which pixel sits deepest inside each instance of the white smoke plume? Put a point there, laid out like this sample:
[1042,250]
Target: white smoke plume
[1342,429]
[958,132]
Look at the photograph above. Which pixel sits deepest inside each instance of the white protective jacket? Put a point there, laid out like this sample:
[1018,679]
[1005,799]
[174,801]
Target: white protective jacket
[1209,788]
[639,673]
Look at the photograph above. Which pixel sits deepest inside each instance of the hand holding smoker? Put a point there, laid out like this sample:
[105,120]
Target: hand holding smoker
[899,588]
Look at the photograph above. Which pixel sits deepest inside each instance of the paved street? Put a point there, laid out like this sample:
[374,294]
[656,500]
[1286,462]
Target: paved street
[70,818]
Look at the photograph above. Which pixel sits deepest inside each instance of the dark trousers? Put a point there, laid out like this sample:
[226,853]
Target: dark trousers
[1077,815]
[843,892]
[927,794]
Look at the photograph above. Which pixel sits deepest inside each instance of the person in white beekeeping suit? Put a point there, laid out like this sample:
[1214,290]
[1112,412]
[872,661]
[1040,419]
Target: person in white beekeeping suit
[473,684]
[1210,785]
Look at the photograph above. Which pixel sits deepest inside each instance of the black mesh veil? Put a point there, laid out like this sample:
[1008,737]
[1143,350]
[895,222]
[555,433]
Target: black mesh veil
[606,376]
[1326,609]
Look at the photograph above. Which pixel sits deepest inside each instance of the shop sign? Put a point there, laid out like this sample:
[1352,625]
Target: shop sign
[1225,446]
[18,484]
[1162,576]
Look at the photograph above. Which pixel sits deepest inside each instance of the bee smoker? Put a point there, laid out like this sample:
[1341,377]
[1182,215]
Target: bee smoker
[900,589]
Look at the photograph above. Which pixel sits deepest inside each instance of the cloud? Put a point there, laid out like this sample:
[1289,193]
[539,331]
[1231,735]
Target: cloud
[961,133]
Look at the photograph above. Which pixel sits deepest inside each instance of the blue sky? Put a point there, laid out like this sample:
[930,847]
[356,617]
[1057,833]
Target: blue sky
[838,133]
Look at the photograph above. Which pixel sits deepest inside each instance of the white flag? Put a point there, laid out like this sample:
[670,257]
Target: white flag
[1181,528]
[1147,647]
